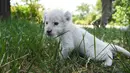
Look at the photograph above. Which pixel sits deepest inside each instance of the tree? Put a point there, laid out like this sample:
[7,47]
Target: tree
[4,9]
[83,9]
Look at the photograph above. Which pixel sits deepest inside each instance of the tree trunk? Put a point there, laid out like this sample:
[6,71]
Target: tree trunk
[4,9]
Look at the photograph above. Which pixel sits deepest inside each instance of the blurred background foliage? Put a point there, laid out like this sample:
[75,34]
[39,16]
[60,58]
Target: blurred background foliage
[122,12]
[86,13]
[120,16]
[32,11]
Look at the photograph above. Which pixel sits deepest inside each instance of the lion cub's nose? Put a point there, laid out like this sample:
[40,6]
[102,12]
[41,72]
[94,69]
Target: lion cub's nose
[49,31]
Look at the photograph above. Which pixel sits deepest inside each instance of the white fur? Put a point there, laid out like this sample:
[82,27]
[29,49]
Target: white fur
[73,37]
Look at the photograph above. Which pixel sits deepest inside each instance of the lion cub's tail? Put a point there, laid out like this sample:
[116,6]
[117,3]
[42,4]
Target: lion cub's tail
[120,49]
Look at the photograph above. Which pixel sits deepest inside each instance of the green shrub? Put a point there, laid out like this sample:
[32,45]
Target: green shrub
[122,12]
[31,12]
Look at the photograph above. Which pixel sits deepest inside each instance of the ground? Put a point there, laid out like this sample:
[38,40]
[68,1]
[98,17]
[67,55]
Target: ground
[24,48]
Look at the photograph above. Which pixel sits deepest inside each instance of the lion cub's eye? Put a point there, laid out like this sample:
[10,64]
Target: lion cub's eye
[56,23]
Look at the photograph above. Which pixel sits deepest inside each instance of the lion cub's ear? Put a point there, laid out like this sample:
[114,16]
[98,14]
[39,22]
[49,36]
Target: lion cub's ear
[68,16]
[44,15]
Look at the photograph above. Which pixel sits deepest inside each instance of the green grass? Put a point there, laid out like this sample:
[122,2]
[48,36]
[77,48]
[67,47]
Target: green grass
[25,49]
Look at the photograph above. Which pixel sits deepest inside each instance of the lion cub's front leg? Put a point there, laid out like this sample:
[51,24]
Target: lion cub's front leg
[67,47]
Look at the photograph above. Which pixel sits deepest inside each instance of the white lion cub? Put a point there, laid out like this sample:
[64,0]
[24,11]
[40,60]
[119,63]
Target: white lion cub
[59,24]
